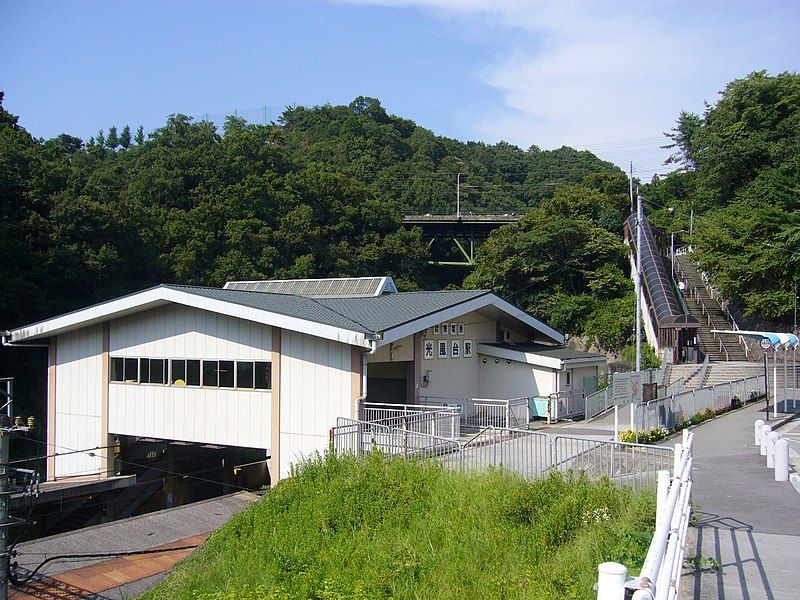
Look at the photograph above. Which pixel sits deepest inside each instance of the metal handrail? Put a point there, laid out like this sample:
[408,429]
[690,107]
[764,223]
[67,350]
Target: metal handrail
[714,294]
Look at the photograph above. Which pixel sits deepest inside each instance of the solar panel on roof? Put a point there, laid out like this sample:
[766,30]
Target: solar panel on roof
[343,287]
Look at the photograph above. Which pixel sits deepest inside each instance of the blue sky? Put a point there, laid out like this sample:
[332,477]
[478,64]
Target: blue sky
[607,76]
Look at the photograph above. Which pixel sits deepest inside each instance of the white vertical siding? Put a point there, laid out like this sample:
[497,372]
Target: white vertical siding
[78,406]
[315,390]
[183,332]
[206,415]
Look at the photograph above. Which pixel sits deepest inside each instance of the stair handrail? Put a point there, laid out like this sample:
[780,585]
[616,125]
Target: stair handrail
[714,294]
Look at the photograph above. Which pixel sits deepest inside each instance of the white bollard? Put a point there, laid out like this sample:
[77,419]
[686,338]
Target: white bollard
[772,436]
[782,460]
[757,430]
[765,429]
[611,581]
[661,496]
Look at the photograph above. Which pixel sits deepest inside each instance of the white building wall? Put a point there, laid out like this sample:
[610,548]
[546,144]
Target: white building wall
[207,415]
[457,377]
[316,388]
[578,373]
[78,406]
[503,380]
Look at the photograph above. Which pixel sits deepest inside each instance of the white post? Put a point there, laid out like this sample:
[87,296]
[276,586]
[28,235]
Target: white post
[611,581]
[772,436]
[785,404]
[677,460]
[775,383]
[616,422]
[765,429]
[639,295]
[794,377]
[661,496]
[633,411]
[757,430]
[782,460]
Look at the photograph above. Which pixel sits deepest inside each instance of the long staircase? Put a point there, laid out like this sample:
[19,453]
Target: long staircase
[700,304]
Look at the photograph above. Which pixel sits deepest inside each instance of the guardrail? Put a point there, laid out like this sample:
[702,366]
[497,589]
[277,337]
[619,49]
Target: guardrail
[442,421]
[669,411]
[565,405]
[660,577]
[485,412]
[599,402]
[530,454]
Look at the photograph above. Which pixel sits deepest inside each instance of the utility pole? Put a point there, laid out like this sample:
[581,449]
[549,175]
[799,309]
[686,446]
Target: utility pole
[633,209]
[8,427]
[458,195]
[638,283]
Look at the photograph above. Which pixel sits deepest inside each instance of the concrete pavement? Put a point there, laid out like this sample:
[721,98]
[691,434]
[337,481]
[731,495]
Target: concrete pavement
[747,532]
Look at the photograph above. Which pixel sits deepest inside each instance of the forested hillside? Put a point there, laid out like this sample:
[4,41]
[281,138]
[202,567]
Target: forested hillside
[741,177]
[320,193]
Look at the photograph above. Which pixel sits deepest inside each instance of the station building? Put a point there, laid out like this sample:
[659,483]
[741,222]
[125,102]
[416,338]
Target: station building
[270,365]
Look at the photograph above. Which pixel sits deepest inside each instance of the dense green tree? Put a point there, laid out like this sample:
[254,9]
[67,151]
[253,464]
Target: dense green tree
[139,137]
[125,137]
[112,140]
[562,267]
[742,179]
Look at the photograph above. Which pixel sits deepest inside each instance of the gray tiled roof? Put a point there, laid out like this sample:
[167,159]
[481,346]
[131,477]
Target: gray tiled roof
[300,307]
[381,313]
[558,352]
[365,315]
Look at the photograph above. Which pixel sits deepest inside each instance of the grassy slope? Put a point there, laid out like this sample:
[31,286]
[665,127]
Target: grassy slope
[383,528]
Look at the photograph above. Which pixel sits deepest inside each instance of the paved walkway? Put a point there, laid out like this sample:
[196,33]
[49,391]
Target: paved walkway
[748,524]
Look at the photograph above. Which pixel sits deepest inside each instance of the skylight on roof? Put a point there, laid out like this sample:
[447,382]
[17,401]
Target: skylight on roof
[344,287]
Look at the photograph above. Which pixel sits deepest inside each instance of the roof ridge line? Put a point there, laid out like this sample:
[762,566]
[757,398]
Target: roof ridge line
[314,300]
[317,301]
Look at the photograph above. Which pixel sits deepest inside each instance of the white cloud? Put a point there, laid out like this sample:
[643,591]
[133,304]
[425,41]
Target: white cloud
[596,74]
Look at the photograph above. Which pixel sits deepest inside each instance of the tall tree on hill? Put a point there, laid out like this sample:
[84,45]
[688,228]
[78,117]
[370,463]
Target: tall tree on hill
[139,137]
[125,137]
[742,186]
[112,140]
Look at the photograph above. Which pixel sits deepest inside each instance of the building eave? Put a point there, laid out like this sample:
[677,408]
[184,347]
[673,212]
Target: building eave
[162,295]
[456,310]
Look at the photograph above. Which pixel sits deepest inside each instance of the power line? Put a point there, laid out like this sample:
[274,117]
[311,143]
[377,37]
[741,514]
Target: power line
[90,452]
[18,582]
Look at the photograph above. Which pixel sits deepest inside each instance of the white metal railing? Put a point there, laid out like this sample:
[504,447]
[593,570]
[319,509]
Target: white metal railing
[672,410]
[660,577]
[599,402]
[444,421]
[485,412]
[530,454]
[565,405]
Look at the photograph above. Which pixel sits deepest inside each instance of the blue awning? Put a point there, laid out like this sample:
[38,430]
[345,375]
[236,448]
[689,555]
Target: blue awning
[776,340]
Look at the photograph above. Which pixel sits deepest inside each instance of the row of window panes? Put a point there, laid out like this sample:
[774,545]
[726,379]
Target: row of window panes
[241,374]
